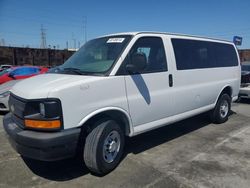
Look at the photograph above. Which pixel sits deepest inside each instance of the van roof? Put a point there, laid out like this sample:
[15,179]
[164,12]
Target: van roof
[166,33]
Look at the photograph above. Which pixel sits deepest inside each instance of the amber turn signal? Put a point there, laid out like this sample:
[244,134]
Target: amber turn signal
[53,124]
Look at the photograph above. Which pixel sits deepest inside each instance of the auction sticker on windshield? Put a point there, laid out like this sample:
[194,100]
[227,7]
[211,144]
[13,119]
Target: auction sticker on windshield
[115,40]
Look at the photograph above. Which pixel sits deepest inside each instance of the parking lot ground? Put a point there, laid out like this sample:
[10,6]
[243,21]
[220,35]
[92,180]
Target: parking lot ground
[191,153]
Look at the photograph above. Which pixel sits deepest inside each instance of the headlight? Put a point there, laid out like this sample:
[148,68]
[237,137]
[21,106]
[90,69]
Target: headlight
[43,114]
[42,109]
[5,94]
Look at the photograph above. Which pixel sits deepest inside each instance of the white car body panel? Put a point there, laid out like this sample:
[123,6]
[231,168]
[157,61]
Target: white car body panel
[171,119]
[4,99]
[149,97]
[146,99]
[79,99]
[39,86]
[79,95]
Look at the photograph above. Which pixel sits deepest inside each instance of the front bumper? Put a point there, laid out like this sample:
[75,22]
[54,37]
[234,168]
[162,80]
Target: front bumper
[45,146]
[244,92]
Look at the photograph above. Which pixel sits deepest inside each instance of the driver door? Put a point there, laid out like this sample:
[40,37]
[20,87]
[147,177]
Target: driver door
[149,92]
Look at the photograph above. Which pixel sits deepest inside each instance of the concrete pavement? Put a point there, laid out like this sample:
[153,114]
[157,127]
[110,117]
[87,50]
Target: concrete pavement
[191,153]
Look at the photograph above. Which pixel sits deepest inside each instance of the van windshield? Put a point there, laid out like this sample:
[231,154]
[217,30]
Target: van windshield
[95,57]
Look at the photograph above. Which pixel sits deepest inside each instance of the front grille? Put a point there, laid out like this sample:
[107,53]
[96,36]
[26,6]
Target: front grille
[245,78]
[244,84]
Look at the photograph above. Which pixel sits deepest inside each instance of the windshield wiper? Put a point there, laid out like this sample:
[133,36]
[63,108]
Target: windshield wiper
[73,70]
[77,71]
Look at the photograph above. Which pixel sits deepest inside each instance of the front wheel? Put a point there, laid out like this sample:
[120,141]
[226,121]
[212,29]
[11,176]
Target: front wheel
[104,147]
[221,111]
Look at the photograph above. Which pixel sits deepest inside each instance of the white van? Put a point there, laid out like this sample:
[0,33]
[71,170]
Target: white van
[120,85]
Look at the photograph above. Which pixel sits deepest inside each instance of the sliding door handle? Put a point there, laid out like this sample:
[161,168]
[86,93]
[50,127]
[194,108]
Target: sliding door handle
[170,80]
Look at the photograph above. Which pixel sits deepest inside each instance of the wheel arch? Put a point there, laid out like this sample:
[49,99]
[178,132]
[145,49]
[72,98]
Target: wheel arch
[119,115]
[226,89]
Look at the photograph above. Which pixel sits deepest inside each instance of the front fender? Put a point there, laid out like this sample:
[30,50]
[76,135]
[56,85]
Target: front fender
[99,111]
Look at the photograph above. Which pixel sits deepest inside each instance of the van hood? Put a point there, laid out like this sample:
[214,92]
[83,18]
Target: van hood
[41,86]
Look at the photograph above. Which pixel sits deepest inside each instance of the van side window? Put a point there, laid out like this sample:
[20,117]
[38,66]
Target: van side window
[225,55]
[154,51]
[194,54]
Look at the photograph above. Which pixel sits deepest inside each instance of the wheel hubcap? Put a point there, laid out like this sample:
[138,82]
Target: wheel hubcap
[224,109]
[111,146]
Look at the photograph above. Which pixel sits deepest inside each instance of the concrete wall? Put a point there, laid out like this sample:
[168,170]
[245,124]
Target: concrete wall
[244,55]
[31,56]
[52,57]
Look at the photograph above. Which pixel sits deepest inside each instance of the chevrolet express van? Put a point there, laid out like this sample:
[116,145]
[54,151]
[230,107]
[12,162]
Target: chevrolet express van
[120,85]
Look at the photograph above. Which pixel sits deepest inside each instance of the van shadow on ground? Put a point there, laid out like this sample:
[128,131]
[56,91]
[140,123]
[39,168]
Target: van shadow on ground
[162,135]
[65,170]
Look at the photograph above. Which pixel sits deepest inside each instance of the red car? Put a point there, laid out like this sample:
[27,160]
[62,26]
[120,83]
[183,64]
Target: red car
[16,73]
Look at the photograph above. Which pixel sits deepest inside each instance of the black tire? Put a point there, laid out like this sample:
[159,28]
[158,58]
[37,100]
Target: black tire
[218,115]
[94,155]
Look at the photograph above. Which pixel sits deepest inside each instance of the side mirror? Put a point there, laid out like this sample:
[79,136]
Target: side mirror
[11,75]
[138,63]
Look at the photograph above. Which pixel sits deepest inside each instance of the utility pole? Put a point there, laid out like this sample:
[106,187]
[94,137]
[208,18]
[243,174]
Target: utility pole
[85,29]
[74,40]
[2,42]
[43,38]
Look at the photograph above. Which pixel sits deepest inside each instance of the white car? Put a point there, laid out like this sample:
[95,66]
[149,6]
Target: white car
[5,93]
[3,67]
[245,80]
[121,85]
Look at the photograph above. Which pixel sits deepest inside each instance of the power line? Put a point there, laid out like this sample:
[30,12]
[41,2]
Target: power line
[47,21]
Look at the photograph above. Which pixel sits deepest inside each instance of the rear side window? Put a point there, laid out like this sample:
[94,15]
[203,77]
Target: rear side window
[194,54]
[225,55]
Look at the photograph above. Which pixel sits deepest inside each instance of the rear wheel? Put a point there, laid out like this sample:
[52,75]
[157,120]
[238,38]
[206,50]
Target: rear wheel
[104,147]
[221,111]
